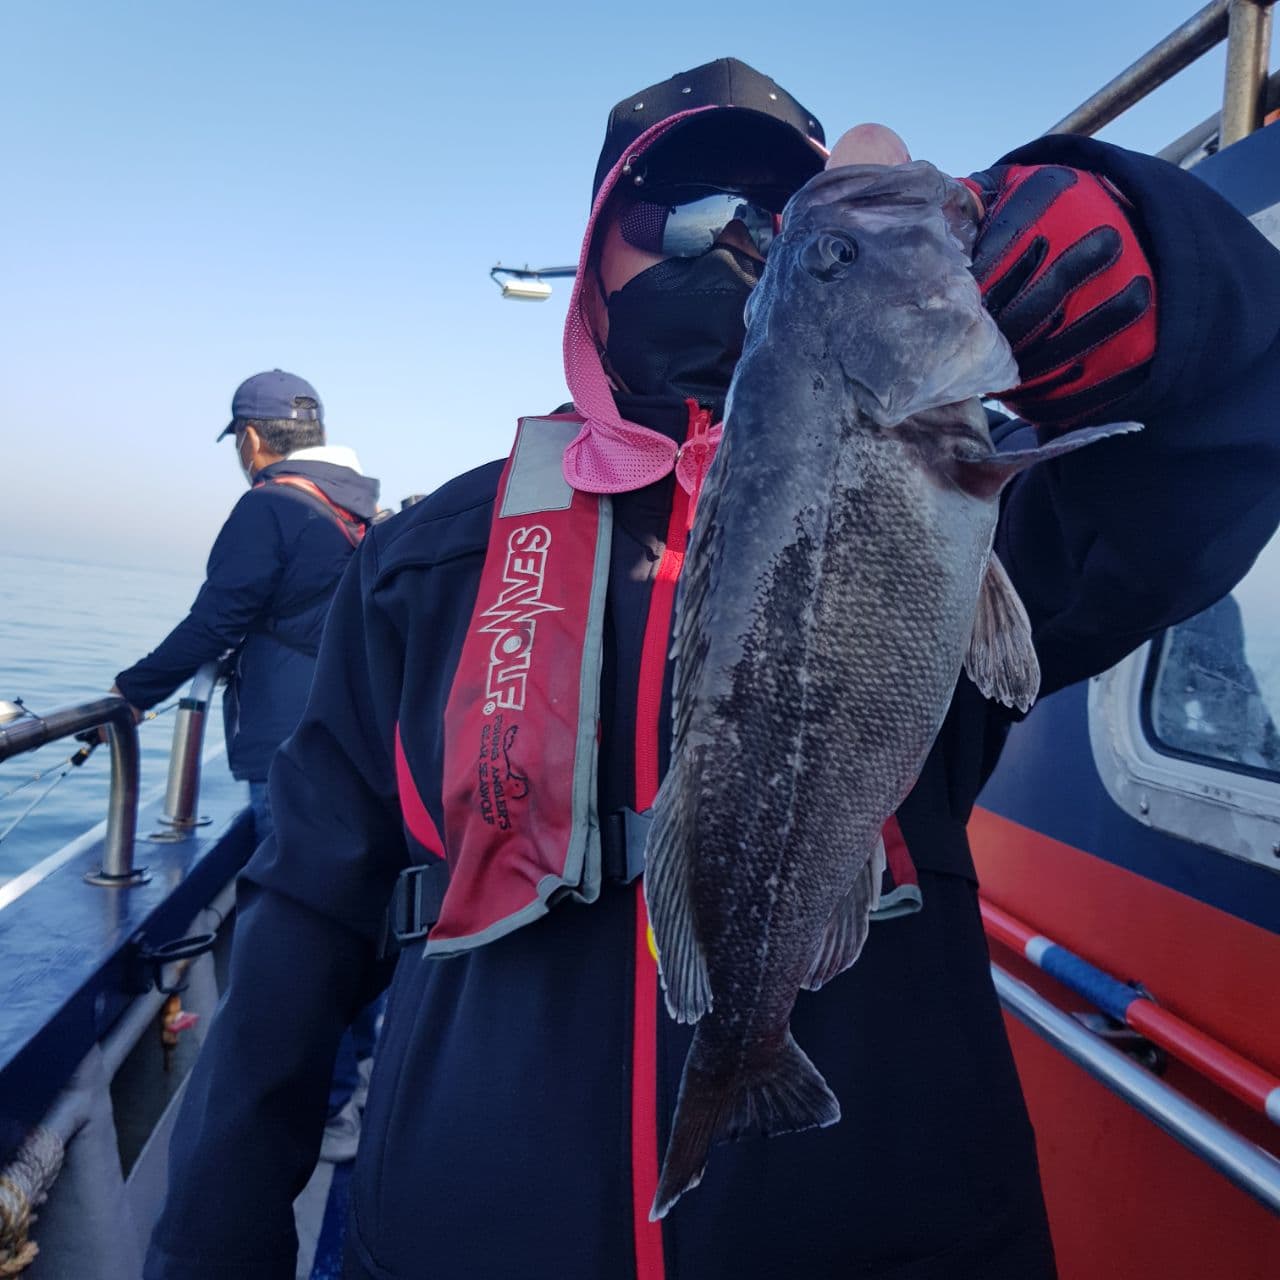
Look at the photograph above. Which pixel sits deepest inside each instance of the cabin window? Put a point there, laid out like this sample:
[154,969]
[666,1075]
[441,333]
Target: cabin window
[1185,732]
[1213,682]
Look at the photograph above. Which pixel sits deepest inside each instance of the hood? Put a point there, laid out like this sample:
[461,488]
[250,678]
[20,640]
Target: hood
[612,454]
[339,454]
[335,471]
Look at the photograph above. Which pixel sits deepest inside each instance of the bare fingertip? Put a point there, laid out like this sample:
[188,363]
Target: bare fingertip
[869,144]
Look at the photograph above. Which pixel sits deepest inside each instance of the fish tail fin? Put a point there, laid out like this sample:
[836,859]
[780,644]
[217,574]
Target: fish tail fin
[784,1094]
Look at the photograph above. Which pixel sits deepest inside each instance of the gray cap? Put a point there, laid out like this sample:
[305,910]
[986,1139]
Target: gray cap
[275,394]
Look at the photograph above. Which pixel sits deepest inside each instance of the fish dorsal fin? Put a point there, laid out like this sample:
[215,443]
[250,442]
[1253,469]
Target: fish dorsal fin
[1001,659]
[668,892]
[984,477]
[846,931]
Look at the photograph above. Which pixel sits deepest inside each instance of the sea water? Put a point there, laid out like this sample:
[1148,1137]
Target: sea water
[66,629]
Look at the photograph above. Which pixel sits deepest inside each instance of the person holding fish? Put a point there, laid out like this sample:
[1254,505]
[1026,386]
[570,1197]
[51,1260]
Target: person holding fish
[661,735]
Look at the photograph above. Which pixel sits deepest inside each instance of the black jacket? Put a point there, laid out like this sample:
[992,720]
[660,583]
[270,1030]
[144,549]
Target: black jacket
[272,572]
[497,1131]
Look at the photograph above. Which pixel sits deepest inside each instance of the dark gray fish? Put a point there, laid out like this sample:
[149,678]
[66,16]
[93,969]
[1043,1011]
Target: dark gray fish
[839,576]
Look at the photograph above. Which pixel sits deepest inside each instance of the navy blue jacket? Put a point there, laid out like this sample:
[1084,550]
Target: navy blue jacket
[272,572]
[497,1131]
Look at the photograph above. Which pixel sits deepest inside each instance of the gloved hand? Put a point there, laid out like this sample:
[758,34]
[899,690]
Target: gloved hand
[1064,276]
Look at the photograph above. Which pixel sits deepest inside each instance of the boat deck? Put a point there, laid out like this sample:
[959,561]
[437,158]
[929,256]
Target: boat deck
[321,1216]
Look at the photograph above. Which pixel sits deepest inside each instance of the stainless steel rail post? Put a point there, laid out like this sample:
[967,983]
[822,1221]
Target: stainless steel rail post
[1178,151]
[182,793]
[1248,48]
[117,870]
[1247,1165]
[1179,49]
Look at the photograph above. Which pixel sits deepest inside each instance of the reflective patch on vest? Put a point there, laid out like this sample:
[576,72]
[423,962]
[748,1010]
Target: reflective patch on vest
[899,887]
[537,482]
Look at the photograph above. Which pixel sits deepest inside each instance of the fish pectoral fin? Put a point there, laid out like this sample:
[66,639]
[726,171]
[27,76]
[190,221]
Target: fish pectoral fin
[1001,659]
[668,896]
[984,477]
[846,931]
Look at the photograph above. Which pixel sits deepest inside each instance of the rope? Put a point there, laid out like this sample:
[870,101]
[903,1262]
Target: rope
[24,1184]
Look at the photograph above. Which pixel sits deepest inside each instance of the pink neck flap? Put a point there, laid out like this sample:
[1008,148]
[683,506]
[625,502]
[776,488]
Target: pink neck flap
[610,454]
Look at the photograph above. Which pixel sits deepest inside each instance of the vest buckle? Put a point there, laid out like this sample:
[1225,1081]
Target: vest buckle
[622,844]
[415,902]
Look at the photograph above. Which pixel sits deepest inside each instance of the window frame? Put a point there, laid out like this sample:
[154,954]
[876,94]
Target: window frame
[1229,810]
[1150,675]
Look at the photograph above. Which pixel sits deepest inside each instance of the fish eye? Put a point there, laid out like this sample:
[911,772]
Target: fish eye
[829,254]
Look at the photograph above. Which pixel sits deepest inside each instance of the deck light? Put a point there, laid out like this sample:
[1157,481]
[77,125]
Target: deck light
[526,283]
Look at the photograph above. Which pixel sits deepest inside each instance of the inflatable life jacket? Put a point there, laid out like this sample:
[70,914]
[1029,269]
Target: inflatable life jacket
[521,726]
[351,526]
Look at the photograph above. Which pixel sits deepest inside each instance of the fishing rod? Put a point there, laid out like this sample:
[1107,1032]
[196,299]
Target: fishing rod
[91,742]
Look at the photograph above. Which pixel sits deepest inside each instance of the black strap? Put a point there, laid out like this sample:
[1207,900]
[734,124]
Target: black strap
[622,839]
[419,890]
[415,904]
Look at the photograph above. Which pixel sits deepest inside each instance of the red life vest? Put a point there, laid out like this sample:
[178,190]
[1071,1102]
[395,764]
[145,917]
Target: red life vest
[521,726]
[351,526]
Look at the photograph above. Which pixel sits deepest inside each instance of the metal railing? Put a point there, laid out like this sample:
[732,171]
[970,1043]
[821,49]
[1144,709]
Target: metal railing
[18,736]
[115,715]
[182,793]
[1247,1165]
[1129,1004]
[1244,24]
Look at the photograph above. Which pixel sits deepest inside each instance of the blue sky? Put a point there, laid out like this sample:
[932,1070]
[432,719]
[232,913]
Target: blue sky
[196,192]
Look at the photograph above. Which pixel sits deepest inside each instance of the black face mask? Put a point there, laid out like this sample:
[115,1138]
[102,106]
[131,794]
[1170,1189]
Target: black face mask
[677,328]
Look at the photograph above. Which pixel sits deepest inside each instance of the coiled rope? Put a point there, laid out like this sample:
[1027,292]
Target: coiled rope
[24,1184]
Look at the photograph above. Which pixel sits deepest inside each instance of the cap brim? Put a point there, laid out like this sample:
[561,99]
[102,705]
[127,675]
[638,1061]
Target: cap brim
[228,430]
[730,148]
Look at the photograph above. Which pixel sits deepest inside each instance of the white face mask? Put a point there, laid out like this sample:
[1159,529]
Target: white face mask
[246,467]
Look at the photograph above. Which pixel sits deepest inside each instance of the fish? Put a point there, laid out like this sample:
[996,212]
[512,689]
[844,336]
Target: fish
[839,577]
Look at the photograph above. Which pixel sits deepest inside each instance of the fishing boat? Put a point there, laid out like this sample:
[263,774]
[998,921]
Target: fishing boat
[1128,846]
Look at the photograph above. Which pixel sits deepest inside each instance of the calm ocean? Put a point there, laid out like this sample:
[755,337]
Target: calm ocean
[65,630]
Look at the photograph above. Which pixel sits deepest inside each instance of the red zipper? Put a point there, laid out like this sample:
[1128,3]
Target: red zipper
[699,451]
[644,1042]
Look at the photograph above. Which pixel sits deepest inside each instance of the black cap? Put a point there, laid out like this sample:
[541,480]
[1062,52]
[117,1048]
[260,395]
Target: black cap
[764,144]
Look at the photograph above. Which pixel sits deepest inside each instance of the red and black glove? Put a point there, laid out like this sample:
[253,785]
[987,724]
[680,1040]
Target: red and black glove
[1064,276]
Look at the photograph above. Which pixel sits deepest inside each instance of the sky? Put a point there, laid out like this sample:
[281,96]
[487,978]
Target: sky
[195,192]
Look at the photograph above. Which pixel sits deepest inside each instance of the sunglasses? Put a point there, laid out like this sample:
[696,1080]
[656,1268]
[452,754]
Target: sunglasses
[690,228]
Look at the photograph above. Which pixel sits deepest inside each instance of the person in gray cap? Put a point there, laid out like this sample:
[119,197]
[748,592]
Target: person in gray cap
[271,575]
